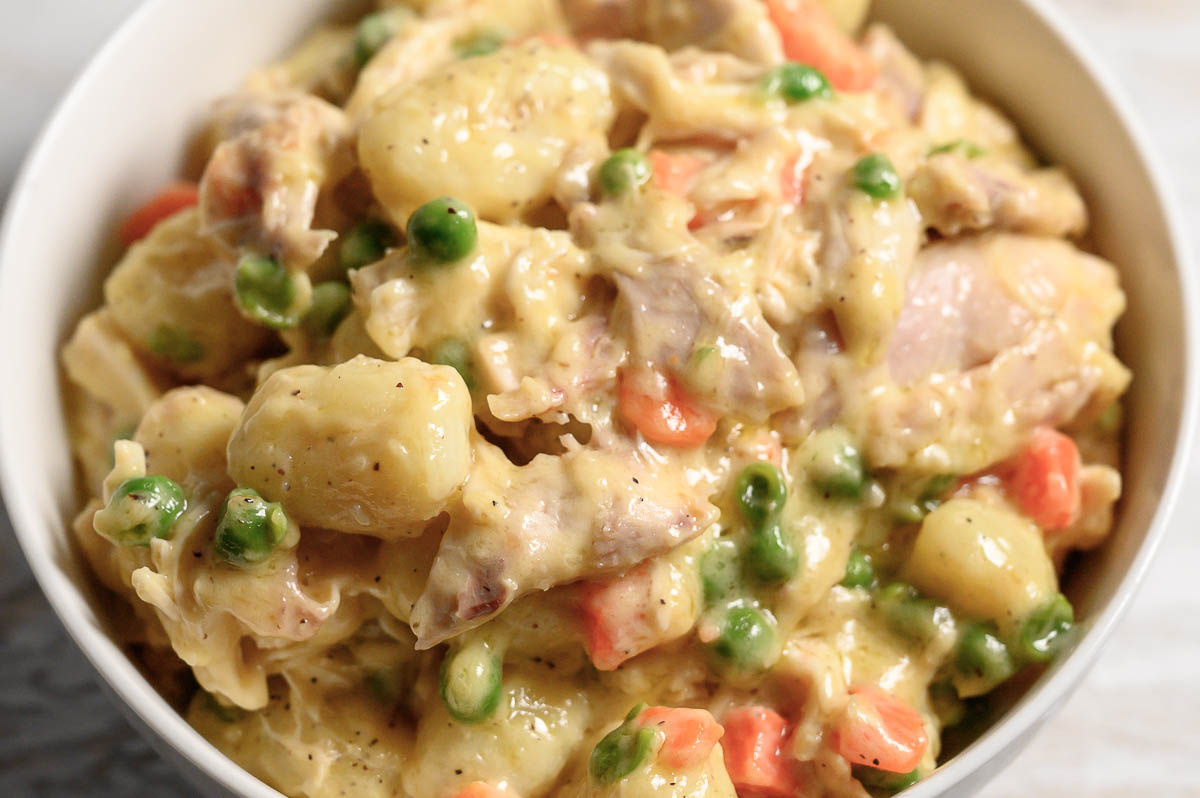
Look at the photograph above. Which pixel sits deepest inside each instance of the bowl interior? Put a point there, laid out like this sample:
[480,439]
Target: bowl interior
[121,132]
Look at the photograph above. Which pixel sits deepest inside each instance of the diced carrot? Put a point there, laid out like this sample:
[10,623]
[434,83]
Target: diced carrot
[880,731]
[1044,479]
[674,172]
[615,618]
[755,755]
[481,789]
[690,734]
[167,202]
[811,37]
[672,417]
[791,178]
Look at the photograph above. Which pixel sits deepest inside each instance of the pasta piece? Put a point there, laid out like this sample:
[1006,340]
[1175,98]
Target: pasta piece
[525,744]
[172,296]
[368,446]
[491,130]
[100,361]
[311,745]
[184,435]
[987,561]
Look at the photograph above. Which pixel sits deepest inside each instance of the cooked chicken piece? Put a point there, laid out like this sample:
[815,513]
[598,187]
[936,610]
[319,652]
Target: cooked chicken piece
[682,310]
[718,340]
[741,27]
[690,95]
[259,190]
[958,195]
[99,360]
[998,334]
[900,73]
[867,252]
[553,521]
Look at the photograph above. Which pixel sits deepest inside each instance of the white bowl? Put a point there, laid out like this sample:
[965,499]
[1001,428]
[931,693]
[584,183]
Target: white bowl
[121,132]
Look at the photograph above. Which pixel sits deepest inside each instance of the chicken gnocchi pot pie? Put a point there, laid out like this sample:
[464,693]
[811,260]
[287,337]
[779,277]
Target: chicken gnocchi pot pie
[598,398]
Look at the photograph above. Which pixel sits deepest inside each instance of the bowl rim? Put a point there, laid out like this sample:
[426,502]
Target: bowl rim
[141,704]
[169,732]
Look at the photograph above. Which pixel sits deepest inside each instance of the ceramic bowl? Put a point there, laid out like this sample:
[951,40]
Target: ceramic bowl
[121,131]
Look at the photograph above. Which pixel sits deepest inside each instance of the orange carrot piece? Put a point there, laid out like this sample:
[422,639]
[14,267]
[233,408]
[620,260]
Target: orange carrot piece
[615,618]
[791,178]
[674,172]
[811,37]
[673,419]
[755,755]
[481,789]
[1044,479]
[690,734]
[880,731]
[167,202]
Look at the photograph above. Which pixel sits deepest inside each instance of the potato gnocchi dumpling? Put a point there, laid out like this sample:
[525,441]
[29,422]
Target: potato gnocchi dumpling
[599,399]
[368,446]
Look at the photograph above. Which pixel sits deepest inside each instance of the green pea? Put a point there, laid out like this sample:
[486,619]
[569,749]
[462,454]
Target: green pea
[141,509]
[719,571]
[983,656]
[622,750]
[760,491]
[371,34]
[330,304]
[747,639]
[875,175]
[968,148]
[443,230]
[796,83]
[771,555]
[624,171]
[910,615]
[910,511]
[859,571]
[482,43]
[834,464]
[455,353]
[264,292]
[175,344]
[1045,632]
[382,686]
[1110,420]
[876,779]
[249,527]
[364,244]
[223,713]
[470,682]
[946,704]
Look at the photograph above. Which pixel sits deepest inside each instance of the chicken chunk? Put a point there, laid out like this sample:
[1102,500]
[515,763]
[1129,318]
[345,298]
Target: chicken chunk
[259,190]
[958,195]
[556,520]
[741,27]
[997,335]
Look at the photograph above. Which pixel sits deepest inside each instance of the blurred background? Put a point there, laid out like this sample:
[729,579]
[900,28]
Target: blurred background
[1132,729]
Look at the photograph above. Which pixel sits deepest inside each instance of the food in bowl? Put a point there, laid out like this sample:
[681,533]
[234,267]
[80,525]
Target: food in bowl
[598,399]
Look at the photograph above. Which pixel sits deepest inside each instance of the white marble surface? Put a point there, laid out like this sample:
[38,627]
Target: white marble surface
[1132,729]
